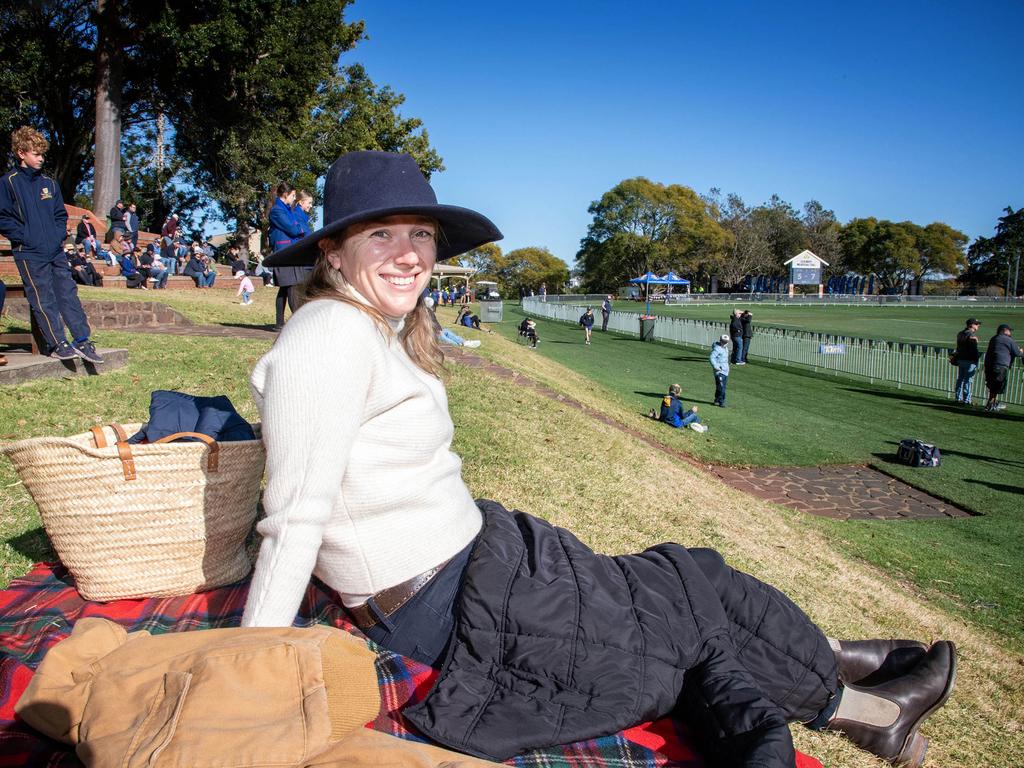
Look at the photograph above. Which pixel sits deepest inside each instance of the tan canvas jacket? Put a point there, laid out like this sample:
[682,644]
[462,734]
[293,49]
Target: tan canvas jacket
[219,698]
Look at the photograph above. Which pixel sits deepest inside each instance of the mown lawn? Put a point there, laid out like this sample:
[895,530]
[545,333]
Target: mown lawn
[917,324]
[616,492]
[783,416]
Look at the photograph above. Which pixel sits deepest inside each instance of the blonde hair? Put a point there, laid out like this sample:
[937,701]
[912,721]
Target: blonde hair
[417,336]
[28,139]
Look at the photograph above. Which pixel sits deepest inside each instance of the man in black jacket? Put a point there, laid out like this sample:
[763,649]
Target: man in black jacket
[117,216]
[747,319]
[966,359]
[999,357]
[33,218]
[736,334]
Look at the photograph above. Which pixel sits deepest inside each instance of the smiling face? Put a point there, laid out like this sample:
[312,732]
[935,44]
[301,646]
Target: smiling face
[388,261]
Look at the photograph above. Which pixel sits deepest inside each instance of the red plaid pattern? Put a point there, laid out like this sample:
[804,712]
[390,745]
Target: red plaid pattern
[39,610]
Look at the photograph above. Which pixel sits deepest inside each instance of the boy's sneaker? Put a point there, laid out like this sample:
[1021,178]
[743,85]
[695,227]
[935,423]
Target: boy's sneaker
[472,343]
[64,351]
[86,351]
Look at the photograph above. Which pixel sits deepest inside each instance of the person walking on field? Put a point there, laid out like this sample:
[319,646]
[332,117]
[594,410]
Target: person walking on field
[999,357]
[587,322]
[720,366]
[34,219]
[748,333]
[736,334]
[966,358]
[606,311]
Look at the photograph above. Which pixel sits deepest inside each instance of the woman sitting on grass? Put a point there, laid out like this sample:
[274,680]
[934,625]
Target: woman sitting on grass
[540,641]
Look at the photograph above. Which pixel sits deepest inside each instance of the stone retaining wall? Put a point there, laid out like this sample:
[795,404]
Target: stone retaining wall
[113,315]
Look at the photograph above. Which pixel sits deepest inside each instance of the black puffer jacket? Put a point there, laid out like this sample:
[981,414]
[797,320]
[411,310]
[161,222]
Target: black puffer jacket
[555,643]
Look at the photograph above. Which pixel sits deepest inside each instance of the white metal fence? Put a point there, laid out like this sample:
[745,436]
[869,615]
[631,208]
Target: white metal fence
[896,363]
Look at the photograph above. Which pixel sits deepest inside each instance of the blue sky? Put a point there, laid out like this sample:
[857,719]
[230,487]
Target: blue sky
[899,110]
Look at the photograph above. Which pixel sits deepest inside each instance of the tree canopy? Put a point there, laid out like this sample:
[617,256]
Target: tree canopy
[995,260]
[641,225]
[520,269]
[252,91]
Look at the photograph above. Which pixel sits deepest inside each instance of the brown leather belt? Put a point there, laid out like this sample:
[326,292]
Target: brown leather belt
[391,599]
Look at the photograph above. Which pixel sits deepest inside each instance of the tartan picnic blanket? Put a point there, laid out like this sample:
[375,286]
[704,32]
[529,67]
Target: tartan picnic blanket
[39,610]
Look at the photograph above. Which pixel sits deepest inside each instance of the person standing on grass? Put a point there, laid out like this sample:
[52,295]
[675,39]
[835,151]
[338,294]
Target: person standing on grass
[285,229]
[720,366]
[966,357]
[34,219]
[736,334]
[606,311]
[1002,351]
[587,322]
[748,333]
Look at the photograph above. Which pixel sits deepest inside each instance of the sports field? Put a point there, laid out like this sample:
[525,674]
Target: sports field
[912,323]
[790,417]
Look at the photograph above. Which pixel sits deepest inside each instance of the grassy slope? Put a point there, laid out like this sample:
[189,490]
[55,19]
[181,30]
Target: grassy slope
[784,416]
[937,326]
[617,493]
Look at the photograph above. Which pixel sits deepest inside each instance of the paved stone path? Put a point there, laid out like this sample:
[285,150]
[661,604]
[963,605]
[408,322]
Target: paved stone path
[847,492]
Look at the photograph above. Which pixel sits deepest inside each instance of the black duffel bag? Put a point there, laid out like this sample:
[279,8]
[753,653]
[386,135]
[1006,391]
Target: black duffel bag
[917,453]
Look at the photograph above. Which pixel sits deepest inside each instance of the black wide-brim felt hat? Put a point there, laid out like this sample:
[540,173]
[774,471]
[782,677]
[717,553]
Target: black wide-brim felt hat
[362,186]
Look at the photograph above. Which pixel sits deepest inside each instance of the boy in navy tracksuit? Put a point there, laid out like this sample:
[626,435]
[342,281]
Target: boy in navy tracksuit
[33,218]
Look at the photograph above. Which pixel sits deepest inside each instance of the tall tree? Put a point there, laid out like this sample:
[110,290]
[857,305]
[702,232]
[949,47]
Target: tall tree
[883,248]
[822,231]
[527,268]
[996,260]
[486,260]
[940,249]
[639,225]
[47,81]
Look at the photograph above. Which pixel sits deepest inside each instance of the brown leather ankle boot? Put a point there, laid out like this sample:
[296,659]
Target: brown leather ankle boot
[883,719]
[870,662]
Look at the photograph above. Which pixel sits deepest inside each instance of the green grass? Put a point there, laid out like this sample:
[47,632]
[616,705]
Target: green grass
[917,324]
[784,416]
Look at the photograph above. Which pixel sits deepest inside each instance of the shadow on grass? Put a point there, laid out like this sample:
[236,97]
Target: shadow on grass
[34,545]
[997,486]
[268,327]
[967,455]
[934,402]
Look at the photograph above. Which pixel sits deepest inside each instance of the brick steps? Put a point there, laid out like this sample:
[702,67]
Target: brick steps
[112,276]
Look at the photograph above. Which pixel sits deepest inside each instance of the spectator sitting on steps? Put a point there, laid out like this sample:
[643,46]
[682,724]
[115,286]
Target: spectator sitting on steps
[199,270]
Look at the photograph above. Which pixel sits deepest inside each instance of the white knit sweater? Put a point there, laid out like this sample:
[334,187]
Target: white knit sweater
[363,489]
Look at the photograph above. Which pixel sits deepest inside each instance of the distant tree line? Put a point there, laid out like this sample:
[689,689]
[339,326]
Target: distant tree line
[177,103]
[641,225]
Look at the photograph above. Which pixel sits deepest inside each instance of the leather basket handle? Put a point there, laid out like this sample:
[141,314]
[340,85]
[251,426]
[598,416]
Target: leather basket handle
[101,440]
[124,449]
[212,460]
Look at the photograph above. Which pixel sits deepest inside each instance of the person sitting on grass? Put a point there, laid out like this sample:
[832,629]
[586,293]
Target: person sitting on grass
[443,334]
[469,320]
[672,411]
[528,330]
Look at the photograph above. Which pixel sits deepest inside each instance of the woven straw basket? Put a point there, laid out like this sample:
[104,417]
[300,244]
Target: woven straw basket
[147,520]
